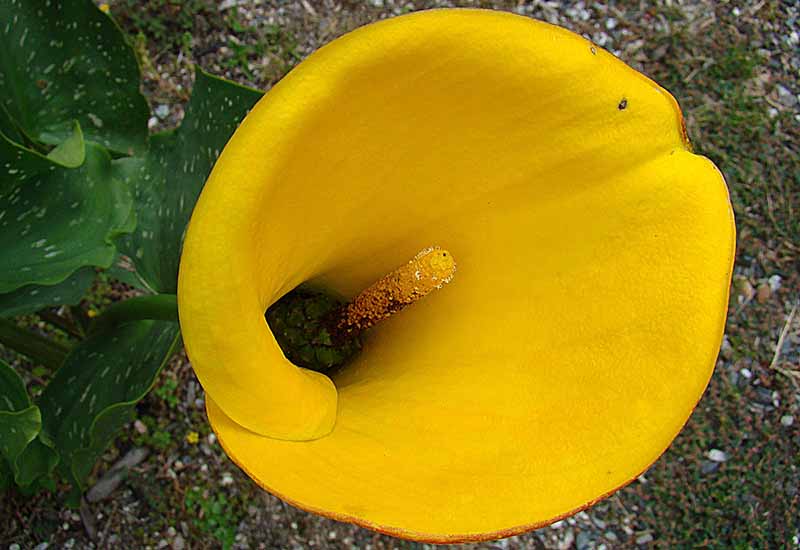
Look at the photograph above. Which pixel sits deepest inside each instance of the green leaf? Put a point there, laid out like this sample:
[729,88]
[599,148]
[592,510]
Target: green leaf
[65,60]
[26,456]
[167,181]
[71,152]
[31,298]
[93,394]
[13,395]
[55,220]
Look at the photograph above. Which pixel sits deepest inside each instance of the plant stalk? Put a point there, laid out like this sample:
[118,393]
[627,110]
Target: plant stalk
[38,348]
[158,307]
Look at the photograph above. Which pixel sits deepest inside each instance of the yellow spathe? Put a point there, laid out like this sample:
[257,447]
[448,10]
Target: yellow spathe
[594,257]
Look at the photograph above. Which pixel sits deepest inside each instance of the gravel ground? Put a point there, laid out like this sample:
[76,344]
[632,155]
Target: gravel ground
[730,479]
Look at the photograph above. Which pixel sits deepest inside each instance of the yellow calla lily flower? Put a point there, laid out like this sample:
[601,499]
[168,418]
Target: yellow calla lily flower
[594,257]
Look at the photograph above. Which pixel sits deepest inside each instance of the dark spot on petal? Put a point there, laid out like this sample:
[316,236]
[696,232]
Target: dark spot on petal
[623,104]
[593,50]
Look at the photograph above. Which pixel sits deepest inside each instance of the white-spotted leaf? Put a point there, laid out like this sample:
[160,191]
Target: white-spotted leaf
[55,220]
[65,60]
[167,181]
[93,394]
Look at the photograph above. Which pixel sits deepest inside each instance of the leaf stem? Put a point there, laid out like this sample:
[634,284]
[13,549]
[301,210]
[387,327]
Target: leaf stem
[42,350]
[159,307]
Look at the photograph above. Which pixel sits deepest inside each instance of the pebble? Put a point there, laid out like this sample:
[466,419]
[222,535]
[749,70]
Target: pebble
[557,525]
[227,479]
[162,111]
[787,420]
[763,396]
[600,523]
[775,282]
[14,546]
[611,536]
[644,538]
[178,543]
[611,23]
[746,373]
[566,542]
[716,455]
[708,467]
[139,426]
[726,349]
[583,541]
[152,122]
[763,293]
[41,546]
[785,96]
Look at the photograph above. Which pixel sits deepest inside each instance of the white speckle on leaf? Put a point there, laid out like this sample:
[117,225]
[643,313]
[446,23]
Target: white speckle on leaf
[95,119]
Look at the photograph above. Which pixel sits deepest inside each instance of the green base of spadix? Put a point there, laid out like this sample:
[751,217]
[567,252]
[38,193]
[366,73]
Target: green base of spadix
[299,322]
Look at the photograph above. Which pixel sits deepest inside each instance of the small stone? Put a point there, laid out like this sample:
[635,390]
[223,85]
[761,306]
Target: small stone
[763,396]
[557,525]
[139,426]
[611,23]
[773,112]
[726,349]
[746,373]
[600,523]
[763,293]
[785,96]
[644,538]
[332,535]
[14,546]
[41,546]
[583,541]
[716,455]
[179,543]
[743,288]
[293,525]
[162,112]
[163,543]
[708,467]
[787,420]
[152,122]
[227,479]
[775,282]
[611,536]
[212,438]
[566,542]
[171,532]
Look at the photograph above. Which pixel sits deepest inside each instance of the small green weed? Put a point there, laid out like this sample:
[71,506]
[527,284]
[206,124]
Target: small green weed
[213,514]
[167,392]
